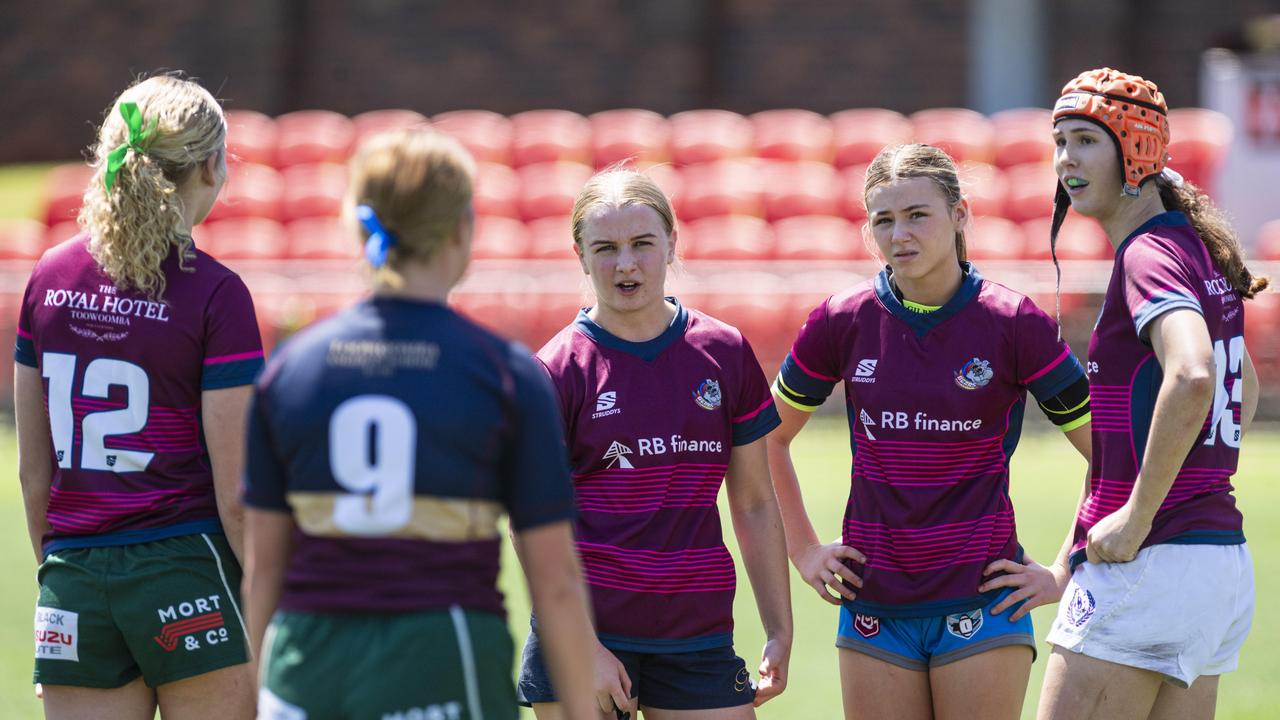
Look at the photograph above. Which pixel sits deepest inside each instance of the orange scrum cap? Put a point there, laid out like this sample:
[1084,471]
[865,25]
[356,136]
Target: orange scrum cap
[1131,109]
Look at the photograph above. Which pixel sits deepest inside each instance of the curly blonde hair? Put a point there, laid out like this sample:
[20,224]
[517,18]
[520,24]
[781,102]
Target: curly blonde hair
[133,226]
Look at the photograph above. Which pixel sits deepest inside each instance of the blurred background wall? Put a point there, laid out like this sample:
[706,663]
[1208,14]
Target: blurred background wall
[65,60]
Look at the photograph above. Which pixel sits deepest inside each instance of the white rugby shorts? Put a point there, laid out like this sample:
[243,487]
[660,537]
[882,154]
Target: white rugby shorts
[1179,610]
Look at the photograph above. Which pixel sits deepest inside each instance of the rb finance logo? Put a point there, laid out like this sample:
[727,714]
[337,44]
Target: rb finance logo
[708,395]
[617,453]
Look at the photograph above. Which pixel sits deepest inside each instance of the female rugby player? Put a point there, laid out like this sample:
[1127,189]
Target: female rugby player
[662,404]
[1161,597]
[384,445]
[135,358]
[933,585]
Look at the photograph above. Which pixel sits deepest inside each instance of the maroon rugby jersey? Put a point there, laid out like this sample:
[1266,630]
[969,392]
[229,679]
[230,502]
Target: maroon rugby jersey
[650,427]
[123,379]
[1164,266]
[935,403]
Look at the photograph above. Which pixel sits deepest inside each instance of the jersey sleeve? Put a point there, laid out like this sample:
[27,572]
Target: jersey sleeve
[753,411]
[536,485]
[1156,281]
[1048,368]
[811,370]
[24,351]
[233,347]
[266,485]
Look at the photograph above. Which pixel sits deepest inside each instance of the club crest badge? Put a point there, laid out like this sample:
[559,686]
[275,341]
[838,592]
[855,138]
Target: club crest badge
[974,374]
[1081,607]
[707,395]
[867,626]
[966,624]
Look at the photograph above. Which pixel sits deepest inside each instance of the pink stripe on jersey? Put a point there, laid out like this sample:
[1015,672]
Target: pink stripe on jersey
[753,413]
[25,334]
[905,463]
[930,548]
[1107,496]
[648,489]
[82,512]
[1066,352]
[655,571]
[232,358]
[811,373]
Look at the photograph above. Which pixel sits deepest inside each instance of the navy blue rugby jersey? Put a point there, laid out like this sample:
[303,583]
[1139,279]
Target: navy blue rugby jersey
[397,433]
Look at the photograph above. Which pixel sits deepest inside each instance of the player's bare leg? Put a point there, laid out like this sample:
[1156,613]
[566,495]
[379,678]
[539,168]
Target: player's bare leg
[1078,687]
[1197,702]
[134,701]
[874,689]
[225,694]
[990,685]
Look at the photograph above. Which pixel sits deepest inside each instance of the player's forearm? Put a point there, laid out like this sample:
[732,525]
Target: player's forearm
[797,528]
[561,604]
[35,500]
[269,544]
[35,464]
[761,541]
[1181,407]
[1064,553]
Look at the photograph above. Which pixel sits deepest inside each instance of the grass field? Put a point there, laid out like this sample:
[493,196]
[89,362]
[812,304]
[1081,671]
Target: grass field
[1046,482]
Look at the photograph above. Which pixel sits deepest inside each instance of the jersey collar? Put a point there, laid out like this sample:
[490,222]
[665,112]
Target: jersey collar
[647,350]
[1169,218]
[922,323]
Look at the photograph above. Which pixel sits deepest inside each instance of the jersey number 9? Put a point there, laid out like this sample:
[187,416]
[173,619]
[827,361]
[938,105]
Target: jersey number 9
[372,449]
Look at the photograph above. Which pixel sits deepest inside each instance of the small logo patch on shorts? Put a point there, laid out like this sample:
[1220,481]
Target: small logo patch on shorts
[57,634]
[742,681]
[196,623]
[966,624]
[867,626]
[1081,607]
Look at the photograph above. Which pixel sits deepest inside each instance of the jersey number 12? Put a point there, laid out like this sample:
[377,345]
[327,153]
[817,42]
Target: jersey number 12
[96,427]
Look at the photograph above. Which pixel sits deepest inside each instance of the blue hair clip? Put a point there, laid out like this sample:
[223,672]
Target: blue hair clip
[379,242]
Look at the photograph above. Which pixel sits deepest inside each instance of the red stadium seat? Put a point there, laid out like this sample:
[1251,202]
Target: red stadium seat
[793,135]
[511,314]
[727,187]
[642,136]
[243,239]
[322,238]
[985,187]
[280,309]
[63,193]
[549,189]
[818,237]
[10,308]
[859,135]
[1199,140]
[700,136]
[314,190]
[251,137]
[1031,190]
[994,238]
[61,233]
[498,237]
[853,204]
[754,304]
[313,136]
[486,135]
[376,121]
[961,133]
[1267,246]
[727,237]
[671,182]
[790,189]
[542,136]
[555,311]
[21,239]
[551,238]
[1261,318]
[497,190]
[251,191]
[818,286]
[1080,238]
[1023,135]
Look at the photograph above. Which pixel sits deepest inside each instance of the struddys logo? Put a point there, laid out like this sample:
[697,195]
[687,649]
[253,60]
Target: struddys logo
[195,624]
[1081,607]
[974,374]
[708,395]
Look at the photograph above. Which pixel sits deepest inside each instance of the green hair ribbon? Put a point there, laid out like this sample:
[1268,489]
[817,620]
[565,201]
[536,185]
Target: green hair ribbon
[137,135]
